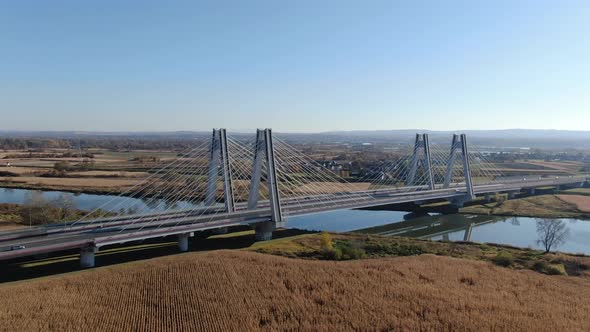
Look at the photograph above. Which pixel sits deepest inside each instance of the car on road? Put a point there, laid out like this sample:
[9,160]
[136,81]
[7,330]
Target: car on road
[17,247]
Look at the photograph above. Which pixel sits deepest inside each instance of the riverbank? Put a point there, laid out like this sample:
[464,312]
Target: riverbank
[17,216]
[289,283]
[543,206]
[57,185]
[355,246]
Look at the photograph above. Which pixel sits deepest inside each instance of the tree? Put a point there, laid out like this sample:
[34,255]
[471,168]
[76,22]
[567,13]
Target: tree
[66,208]
[552,233]
[60,168]
[36,209]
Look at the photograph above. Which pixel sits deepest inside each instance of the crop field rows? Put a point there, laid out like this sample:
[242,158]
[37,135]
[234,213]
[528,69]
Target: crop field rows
[238,291]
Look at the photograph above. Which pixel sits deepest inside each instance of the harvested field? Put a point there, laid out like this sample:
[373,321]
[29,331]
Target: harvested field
[544,206]
[9,226]
[327,187]
[23,170]
[108,173]
[242,291]
[566,166]
[77,182]
[581,202]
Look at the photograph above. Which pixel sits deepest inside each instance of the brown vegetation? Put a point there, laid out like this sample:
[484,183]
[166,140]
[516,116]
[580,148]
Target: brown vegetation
[76,182]
[330,187]
[545,206]
[581,202]
[241,291]
[353,246]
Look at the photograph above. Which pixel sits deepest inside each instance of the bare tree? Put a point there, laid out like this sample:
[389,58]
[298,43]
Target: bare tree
[66,208]
[552,233]
[36,209]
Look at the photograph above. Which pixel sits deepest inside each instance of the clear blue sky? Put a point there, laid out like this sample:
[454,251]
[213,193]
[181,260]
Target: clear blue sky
[294,65]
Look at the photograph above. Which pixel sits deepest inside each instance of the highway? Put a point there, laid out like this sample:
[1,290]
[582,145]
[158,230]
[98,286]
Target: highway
[117,230]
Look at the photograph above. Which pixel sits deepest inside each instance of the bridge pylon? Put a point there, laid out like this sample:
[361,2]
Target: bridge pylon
[459,144]
[421,145]
[264,152]
[219,158]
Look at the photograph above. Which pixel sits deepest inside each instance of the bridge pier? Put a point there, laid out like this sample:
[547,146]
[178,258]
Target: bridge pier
[222,230]
[87,257]
[532,191]
[183,242]
[264,230]
[459,202]
[488,198]
[512,194]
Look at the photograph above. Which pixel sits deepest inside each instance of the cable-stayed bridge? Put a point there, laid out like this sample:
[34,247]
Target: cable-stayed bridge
[262,181]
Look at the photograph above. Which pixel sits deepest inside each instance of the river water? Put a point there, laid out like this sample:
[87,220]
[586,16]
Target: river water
[516,231]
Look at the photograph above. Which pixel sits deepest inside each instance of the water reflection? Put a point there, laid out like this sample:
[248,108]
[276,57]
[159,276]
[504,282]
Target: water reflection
[90,202]
[567,235]
[433,226]
[517,231]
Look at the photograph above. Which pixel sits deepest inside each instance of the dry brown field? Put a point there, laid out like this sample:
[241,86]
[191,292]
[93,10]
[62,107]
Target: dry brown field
[108,173]
[75,182]
[570,166]
[581,202]
[543,206]
[244,291]
[327,187]
[23,170]
[10,226]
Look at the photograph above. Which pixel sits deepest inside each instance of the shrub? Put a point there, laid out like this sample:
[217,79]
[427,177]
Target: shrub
[393,249]
[353,253]
[503,258]
[326,240]
[540,266]
[556,269]
[333,254]
[548,268]
[341,250]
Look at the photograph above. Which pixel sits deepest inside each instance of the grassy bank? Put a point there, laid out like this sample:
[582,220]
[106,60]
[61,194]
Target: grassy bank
[359,246]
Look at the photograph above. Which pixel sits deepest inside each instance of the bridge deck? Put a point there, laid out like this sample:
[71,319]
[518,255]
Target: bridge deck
[115,230]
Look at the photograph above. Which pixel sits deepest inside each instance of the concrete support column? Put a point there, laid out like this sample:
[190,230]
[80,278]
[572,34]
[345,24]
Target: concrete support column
[459,202]
[532,191]
[488,198]
[264,231]
[512,194]
[87,257]
[183,242]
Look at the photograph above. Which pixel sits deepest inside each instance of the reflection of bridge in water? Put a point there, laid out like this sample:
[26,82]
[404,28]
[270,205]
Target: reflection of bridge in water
[264,181]
[433,226]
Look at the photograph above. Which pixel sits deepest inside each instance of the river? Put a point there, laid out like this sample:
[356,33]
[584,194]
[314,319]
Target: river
[516,231]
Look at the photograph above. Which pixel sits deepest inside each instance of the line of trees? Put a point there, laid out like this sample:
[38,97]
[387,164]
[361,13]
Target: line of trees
[38,210]
[109,143]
